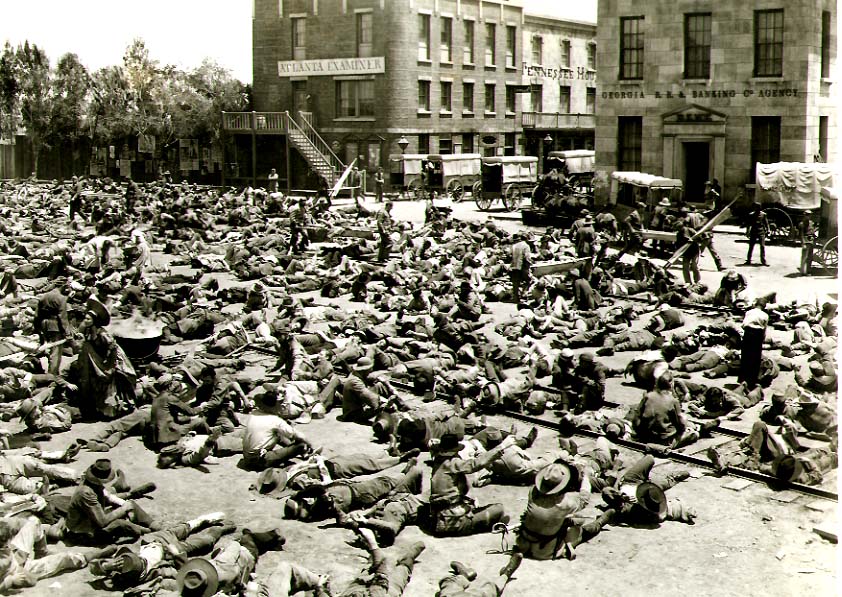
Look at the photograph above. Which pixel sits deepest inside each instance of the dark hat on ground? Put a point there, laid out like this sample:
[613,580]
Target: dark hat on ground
[99,312]
[652,498]
[198,577]
[100,472]
[26,408]
[553,478]
[787,467]
[450,443]
[494,437]
[272,479]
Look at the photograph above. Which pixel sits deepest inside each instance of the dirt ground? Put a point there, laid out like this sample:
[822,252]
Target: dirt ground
[750,542]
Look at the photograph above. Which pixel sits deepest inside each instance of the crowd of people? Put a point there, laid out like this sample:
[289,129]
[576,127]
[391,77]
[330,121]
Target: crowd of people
[420,333]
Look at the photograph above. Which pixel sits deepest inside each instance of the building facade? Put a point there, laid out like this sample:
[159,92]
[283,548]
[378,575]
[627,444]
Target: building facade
[559,66]
[441,73]
[703,89]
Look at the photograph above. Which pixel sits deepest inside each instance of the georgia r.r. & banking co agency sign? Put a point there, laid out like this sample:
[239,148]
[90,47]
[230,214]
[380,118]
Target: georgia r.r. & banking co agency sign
[332,66]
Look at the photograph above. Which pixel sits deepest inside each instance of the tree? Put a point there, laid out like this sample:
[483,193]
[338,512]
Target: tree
[71,93]
[34,79]
[9,92]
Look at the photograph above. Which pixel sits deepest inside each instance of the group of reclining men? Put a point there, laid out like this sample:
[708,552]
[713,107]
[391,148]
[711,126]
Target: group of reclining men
[443,352]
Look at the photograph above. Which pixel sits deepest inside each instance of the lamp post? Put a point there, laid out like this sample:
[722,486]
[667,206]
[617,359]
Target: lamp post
[403,143]
[548,144]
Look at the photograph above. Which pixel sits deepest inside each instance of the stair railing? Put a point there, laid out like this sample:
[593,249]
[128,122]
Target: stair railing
[319,144]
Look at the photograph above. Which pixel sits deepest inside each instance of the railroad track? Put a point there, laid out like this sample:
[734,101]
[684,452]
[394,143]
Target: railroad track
[694,460]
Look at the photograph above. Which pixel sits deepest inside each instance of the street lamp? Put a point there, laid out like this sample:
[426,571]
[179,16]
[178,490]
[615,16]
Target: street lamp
[403,143]
[548,140]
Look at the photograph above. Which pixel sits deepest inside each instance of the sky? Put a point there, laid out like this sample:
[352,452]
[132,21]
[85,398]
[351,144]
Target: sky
[178,32]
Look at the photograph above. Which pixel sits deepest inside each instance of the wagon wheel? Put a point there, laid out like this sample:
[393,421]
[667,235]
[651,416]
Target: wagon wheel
[512,197]
[416,190]
[828,255]
[482,202]
[455,190]
[780,225]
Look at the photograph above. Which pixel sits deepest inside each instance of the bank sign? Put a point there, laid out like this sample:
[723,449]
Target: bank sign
[332,66]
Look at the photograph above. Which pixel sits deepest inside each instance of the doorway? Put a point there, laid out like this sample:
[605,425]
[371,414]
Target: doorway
[301,102]
[696,170]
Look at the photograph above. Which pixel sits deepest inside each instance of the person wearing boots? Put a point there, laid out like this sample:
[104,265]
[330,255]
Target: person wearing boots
[464,583]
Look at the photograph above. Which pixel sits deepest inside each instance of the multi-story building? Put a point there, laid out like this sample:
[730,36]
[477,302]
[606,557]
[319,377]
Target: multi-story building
[444,75]
[559,65]
[703,89]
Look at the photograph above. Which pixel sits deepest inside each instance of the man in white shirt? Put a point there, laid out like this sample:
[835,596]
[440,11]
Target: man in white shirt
[268,439]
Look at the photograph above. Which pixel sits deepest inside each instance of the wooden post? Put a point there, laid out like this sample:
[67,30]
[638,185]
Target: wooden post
[254,149]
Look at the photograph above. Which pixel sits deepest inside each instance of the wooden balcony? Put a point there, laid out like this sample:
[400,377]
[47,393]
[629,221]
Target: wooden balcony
[257,122]
[557,121]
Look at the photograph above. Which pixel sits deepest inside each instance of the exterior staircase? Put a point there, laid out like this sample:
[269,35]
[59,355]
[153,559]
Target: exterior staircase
[314,150]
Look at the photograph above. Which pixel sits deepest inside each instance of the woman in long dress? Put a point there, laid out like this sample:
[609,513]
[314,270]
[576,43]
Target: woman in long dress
[106,376]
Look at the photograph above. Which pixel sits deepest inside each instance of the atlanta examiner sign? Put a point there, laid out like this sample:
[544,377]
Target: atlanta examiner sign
[332,66]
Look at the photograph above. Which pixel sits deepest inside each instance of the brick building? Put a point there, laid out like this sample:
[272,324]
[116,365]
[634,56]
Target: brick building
[559,65]
[444,74]
[701,89]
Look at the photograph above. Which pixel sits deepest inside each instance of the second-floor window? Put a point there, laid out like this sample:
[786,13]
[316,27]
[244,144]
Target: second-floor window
[490,90]
[564,99]
[490,44]
[424,95]
[536,98]
[631,48]
[592,56]
[697,46]
[826,43]
[768,43]
[424,37]
[590,101]
[446,48]
[468,47]
[537,50]
[511,99]
[354,98]
[364,34]
[565,53]
[446,96]
[299,38]
[468,97]
[511,46]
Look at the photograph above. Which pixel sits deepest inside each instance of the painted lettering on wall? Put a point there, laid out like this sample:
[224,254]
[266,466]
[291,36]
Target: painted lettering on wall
[561,72]
[701,94]
[332,66]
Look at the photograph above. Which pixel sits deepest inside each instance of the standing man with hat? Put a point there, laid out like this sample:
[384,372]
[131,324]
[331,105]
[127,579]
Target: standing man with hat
[712,195]
[758,230]
[807,234]
[297,234]
[452,511]
[705,240]
[585,242]
[521,264]
[52,326]
[633,225]
[384,229]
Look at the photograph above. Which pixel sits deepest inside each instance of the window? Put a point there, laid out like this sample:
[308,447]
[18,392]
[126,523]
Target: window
[424,95]
[537,50]
[490,44]
[822,157]
[511,99]
[468,97]
[364,34]
[768,43]
[631,48]
[765,141]
[590,101]
[446,48]
[489,97]
[424,143]
[354,98]
[629,142]
[445,145]
[564,99]
[299,38]
[825,44]
[592,56]
[509,144]
[511,46]
[446,96]
[536,98]
[467,143]
[697,46]
[468,48]
[565,53]
[424,37]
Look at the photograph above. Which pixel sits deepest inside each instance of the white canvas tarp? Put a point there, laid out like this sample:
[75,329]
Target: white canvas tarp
[793,184]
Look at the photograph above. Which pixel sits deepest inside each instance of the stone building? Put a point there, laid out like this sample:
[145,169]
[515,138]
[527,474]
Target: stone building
[703,89]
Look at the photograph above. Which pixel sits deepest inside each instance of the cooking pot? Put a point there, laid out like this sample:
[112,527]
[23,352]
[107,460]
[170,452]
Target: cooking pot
[140,342]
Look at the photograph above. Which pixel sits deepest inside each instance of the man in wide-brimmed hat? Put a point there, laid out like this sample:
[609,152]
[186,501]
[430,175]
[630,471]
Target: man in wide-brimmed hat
[361,397]
[452,511]
[96,516]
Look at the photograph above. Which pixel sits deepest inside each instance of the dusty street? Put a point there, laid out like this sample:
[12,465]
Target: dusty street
[752,541]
